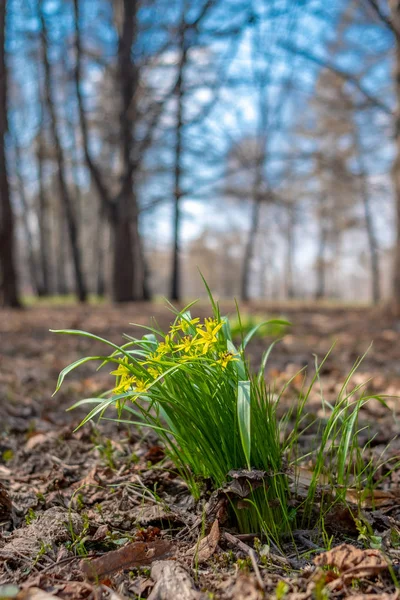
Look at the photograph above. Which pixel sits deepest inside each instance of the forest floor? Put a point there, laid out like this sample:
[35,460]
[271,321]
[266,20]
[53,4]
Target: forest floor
[100,493]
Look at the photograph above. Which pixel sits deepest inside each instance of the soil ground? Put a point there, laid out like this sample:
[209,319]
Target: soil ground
[86,494]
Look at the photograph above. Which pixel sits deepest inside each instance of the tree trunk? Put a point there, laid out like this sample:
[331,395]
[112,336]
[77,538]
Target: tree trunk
[100,251]
[61,254]
[43,218]
[290,291]
[395,12]
[123,266]
[62,184]
[95,173]
[321,266]
[249,249]
[126,284]
[144,275]
[369,224]
[30,251]
[179,95]
[122,210]
[8,284]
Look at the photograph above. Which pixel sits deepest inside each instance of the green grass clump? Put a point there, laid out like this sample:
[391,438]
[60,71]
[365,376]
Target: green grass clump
[194,387]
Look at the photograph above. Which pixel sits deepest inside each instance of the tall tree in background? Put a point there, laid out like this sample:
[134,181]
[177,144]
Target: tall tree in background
[365,194]
[65,197]
[394,24]
[128,271]
[8,274]
[125,214]
[178,168]
[26,218]
[186,39]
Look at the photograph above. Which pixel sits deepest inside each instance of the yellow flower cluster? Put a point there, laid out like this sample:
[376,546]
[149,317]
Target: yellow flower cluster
[126,381]
[187,339]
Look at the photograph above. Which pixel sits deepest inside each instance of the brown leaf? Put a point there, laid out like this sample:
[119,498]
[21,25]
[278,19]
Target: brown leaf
[135,554]
[353,562]
[244,482]
[373,498]
[155,454]
[208,545]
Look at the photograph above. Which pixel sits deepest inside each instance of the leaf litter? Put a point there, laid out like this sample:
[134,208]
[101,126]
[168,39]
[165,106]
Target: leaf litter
[108,497]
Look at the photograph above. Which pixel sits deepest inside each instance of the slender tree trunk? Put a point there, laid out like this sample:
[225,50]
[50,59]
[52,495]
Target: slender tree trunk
[8,283]
[43,217]
[30,250]
[262,84]
[369,224]
[321,264]
[100,255]
[179,96]
[62,184]
[144,274]
[102,190]
[395,12]
[61,254]
[290,291]
[249,248]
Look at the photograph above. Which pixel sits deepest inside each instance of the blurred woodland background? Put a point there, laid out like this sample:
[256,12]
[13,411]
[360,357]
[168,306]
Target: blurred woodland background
[256,140]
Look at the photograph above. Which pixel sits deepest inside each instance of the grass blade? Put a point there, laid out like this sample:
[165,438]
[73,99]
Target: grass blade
[253,331]
[244,418]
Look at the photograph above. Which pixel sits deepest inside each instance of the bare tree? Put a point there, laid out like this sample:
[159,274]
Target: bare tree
[43,217]
[178,169]
[369,220]
[9,285]
[26,214]
[395,24]
[65,197]
[187,38]
[128,273]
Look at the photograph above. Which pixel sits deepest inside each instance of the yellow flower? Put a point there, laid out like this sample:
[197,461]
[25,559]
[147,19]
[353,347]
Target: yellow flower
[225,358]
[184,325]
[166,346]
[209,336]
[124,377]
[210,324]
[187,323]
[141,386]
[122,370]
[125,385]
[153,371]
[187,344]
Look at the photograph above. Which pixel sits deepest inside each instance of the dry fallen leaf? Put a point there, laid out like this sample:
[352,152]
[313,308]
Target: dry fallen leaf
[204,549]
[374,498]
[353,562]
[135,554]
